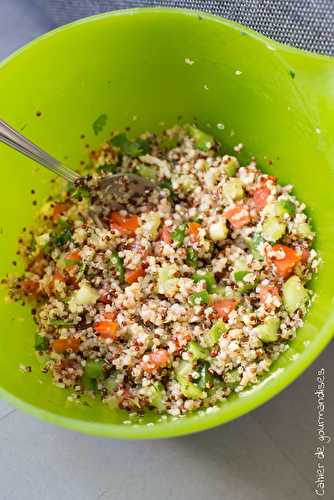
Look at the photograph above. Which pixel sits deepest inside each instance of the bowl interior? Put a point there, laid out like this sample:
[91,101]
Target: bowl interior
[148,69]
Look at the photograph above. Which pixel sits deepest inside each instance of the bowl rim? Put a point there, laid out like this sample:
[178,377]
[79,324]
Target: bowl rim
[197,422]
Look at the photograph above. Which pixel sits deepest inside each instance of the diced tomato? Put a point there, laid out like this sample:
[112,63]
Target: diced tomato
[73,255]
[155,360]
[166,235]
[61,345]
[58,210]
[304,255]
[107,328]
[126,225]
[37,266]
[284,266]
[223,307]
[132,275]
[268,293]
[260,197]
[193,230]
[58,276]
[238,216]
[29,286]
[265,178]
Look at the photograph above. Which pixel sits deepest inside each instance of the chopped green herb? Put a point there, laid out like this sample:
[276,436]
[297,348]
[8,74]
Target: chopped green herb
[128,147]
[61,322]
[209,279]
[292,73]
[288,207]
[94,369]
[192,257]
[179,234]
[117,262]
[41,342]
[111,169]
[199,298]
[63,233]
[167,184]
[80,193]
[99,123]
[81,271]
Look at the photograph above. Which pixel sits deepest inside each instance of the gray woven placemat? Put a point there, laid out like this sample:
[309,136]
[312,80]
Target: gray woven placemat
[307,24]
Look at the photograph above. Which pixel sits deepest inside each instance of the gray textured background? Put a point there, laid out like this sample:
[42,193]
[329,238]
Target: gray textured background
[308,24]
[267,454]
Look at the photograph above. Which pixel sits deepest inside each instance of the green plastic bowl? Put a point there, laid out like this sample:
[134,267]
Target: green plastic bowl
[136,66]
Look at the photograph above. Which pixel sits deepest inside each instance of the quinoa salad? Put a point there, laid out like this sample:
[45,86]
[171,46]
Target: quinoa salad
[178,298]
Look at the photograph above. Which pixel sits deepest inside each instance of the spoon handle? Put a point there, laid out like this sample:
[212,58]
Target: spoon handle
[14,139]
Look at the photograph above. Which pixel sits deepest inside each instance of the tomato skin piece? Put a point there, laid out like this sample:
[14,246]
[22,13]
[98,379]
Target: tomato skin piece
[62,345]
[30,287]
[193,230]
[260,197]
[126,225]
[59,209]
[132,275]
[166,235]
[284,267]
[155,360]
[238,216]
[223,307]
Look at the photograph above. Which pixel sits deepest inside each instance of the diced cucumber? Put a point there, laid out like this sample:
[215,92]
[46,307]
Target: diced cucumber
[232,378]
[152,224]
[205,376]
[294,294]
[188,389]
[239,275]
[253,244]
[230,165]
[148,172]
[268,331]
[273,229]
[202,140]
[197,351]
[233,190]
[86,295]
[183,369]
[304,230]
[212,336]
[218,231]
[167,284]
[155,393]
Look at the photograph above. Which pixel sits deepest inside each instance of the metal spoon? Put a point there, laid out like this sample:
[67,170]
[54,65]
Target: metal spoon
[117,185]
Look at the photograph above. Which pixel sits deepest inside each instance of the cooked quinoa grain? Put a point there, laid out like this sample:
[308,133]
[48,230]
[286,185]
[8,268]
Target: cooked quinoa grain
[179,298]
